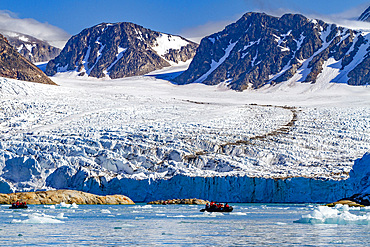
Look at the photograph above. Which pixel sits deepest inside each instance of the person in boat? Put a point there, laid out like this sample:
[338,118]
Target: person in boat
[227,206]
[207,206]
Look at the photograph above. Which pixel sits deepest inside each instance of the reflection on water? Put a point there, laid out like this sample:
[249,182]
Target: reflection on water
[179,225]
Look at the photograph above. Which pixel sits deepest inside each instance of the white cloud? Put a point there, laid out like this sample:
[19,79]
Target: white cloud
[43,31]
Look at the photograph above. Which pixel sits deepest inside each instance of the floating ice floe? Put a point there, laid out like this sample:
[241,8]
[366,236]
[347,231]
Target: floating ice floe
[339,215]
[239,213]
[61,216]
[105,211]
[66,205]
[145,206]
[38,219]
[341,207]
[177,216]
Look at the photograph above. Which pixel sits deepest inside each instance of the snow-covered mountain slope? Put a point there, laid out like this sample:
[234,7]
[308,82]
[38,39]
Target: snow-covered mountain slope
[120,50]
[261,50]
[121,135]
[31,48]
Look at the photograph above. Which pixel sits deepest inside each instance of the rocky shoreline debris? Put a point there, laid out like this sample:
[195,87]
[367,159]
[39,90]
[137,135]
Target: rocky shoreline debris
[66,196]
[192,201]
[345,202]
[357,200]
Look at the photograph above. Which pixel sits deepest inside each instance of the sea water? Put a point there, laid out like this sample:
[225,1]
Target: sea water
[184,225]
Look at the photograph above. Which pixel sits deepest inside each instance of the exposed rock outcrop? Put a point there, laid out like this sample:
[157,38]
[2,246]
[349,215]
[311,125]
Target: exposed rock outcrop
[348,202]
[361,198]
[260,49]
[67,196]
[33,49]
[180,201]
[13,65]
[120,50]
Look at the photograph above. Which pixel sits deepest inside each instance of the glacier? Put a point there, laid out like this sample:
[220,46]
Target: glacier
[232,188]
[149,139]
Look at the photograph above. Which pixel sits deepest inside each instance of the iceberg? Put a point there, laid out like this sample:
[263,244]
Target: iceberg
[327,215]
[37,218]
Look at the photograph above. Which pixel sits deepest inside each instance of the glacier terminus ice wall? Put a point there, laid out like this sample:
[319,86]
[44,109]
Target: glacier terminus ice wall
[219,188]
[240,189]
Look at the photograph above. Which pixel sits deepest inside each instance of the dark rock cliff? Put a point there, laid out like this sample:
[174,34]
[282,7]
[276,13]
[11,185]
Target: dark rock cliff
[15,66]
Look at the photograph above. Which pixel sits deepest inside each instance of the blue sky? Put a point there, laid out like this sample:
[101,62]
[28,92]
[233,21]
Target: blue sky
[171,16]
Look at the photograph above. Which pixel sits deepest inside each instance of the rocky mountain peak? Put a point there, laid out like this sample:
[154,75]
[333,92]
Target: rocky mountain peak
[260,49]
[15,66]
[31,48]
[119,50]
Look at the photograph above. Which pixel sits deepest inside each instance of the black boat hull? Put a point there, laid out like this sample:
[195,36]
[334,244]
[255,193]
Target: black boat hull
[220,210]
[18,207]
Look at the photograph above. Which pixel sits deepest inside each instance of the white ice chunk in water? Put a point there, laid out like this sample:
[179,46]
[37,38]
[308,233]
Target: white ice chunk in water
[105,211]
[339,215]
[38,219]
[63,205]
[61,216]
[66,205]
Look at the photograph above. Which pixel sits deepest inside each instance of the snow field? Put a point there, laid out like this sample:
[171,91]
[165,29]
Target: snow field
[165,42]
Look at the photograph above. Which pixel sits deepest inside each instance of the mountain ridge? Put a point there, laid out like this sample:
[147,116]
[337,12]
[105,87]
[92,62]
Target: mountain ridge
[14,65]
[260,49]
[33,49]
[119,50]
